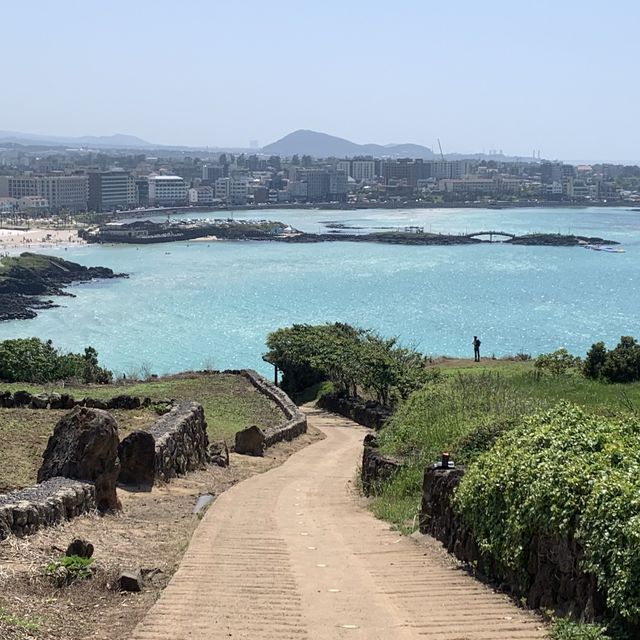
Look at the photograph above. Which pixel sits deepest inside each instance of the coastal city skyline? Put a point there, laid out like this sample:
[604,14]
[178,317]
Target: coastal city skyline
[491,76]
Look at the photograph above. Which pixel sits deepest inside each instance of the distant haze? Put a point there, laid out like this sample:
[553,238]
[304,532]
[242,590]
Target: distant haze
[490,76]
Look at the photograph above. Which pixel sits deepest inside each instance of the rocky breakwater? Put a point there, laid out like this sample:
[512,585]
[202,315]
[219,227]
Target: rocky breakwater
[253,440]
[554,577]
[47,504]
[26,279]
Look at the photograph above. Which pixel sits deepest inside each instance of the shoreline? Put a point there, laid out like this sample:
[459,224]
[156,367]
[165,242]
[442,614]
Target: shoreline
[38,238]
[345,206]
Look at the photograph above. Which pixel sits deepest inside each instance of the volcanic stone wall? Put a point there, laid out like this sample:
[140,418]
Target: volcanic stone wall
[25,511]
[365,412]
[181,441]
[376,467]
[296,421]
[555,579]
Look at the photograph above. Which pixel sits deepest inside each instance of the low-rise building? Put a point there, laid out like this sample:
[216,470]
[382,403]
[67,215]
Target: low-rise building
[202,194]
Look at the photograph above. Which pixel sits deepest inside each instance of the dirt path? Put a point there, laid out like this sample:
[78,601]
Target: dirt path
[291,554]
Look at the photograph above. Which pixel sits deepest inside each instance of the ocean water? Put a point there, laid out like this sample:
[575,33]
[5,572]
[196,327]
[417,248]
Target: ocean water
[191,305]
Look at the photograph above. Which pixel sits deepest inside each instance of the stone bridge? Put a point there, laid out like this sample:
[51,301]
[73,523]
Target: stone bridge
[491,234]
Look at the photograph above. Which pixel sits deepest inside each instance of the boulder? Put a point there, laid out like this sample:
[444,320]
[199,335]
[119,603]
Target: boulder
[80,547]
[219,454]
[250,441]
[22,398]
[95,403]
[137,455]
[130,580]
[6,400]
[41,401]
[124,402]
[84,446]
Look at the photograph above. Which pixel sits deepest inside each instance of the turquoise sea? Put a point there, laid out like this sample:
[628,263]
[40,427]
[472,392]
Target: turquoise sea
[193,305]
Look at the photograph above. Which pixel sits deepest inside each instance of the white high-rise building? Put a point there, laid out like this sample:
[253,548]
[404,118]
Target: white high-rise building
[167,190]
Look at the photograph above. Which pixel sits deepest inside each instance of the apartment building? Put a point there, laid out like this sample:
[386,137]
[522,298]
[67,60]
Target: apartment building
[61,191]
[232,190]
[111,190]
[167,190]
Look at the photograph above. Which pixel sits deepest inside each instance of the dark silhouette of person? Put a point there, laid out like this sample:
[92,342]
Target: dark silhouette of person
[476,348]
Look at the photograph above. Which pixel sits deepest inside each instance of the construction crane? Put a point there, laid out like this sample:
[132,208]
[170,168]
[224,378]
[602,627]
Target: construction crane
[440,146]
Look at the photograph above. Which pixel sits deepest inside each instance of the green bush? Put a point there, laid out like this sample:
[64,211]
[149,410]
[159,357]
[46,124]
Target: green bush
[557,363]
[32,360]
[68,569]
[568,630]
[563,473]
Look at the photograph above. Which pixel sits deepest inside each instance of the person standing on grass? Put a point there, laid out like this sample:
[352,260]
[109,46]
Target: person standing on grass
[476,348]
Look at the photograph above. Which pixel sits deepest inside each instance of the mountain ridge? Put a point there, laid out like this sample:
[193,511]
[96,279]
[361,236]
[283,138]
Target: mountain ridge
[116,140]
[324,145]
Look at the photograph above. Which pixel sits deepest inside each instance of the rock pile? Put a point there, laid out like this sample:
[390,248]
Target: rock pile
[84,446]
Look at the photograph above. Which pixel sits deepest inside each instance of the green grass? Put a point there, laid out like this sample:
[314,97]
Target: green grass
[230,401]
[24,434]
[18,627]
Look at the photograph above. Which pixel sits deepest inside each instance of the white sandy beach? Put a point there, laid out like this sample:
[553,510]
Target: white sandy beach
[12,240]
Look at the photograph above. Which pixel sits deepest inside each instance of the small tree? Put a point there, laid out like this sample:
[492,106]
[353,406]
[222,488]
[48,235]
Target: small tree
[557,363]
[594,361]
[622,364]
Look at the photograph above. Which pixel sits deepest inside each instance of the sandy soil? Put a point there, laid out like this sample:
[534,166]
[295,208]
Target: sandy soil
[15,239]
[294,554]
[151,533]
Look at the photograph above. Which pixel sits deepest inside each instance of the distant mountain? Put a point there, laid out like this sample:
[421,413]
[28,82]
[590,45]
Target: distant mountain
[116,141]
[322,145]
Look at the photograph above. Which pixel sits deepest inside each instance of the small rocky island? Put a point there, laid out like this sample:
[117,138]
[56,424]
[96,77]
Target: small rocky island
[148,232]
[24,279]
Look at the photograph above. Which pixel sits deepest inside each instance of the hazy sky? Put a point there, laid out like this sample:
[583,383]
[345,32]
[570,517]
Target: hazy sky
[556,75]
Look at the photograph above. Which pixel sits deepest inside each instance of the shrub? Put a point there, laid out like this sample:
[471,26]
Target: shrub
[562,473]
[568,630]
[32,360]
[557,363]
[68,569]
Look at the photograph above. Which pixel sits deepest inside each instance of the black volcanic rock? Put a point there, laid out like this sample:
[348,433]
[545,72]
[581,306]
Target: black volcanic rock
[26,277]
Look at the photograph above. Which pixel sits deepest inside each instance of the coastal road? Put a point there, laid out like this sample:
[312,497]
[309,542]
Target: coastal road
[292,554]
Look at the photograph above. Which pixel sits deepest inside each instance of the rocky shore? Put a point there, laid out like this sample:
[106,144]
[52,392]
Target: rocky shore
[404,238]
[25,279]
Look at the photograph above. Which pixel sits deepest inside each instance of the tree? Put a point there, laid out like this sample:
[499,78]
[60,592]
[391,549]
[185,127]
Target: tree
[557,363]
[594,361]
[622,364]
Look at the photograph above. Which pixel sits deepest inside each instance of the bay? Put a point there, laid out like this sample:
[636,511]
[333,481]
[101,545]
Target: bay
[195,305]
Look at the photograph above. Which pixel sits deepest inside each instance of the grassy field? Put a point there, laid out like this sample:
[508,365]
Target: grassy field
[230,402]
[24,434]
[467,409]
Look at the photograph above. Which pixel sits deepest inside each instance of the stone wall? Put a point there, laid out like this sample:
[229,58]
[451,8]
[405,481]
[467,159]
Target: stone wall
[296,421]
[9,400]
[181,441]
[376,467]
[49,503]
[554,580]
[365,412]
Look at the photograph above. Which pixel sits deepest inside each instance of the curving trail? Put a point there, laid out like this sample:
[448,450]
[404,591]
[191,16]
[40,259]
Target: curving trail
[292,555]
